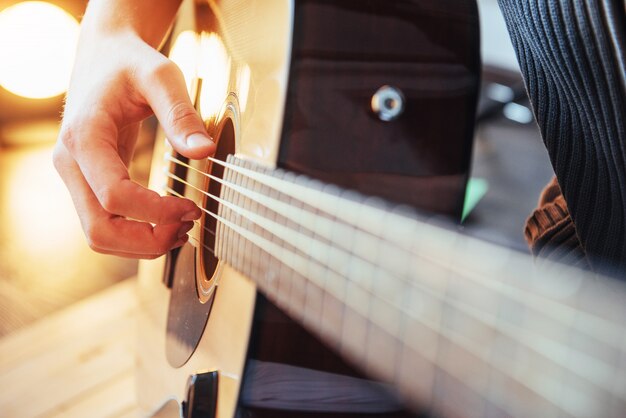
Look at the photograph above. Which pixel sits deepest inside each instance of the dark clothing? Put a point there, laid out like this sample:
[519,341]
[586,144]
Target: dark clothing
[572,57]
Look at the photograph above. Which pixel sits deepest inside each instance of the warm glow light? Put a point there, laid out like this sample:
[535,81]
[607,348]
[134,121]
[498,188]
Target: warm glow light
[185,54]
[37,47]
[42,216]
[214,70]
[243,86]
[204,56]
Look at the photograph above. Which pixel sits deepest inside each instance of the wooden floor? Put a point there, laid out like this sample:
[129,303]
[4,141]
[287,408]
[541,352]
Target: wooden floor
[45,263]
[78,362]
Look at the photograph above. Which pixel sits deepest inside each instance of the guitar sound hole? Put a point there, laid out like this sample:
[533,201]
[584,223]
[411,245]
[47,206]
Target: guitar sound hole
[225,139]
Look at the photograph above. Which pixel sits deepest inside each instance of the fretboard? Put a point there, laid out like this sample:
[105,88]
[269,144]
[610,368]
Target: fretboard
[455,324]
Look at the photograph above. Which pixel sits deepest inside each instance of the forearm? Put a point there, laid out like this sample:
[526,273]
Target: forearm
[148,19]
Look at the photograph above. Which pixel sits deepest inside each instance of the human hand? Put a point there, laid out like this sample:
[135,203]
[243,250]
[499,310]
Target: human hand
[118,81]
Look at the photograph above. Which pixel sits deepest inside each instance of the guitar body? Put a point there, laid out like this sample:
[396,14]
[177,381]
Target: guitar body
[371,95]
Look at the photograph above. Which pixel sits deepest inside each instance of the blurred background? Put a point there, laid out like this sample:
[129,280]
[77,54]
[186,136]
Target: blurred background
[45,263]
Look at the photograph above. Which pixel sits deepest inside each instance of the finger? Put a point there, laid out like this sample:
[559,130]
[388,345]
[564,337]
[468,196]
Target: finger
[164,88]
[132,237]
[180,243]
[92,148]
[109,233]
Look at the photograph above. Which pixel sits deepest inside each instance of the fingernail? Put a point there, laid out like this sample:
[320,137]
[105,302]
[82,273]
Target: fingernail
[198,140]
[190,216]
[182,232]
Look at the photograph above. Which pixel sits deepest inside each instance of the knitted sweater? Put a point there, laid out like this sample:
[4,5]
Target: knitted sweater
[572,57]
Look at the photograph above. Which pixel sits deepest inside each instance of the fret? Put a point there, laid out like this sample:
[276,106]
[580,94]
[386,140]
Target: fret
[419,349]
[297,296]
[222,232]
[334,307]
[354,335]
[359,287]
[301,286]
[314,290]
[231,237]
[328,280]
[285,275]
[313,304]
[252,264]
[382,350]
[290,280]
[241,202]
[265,278]
[331,326]
[275,264]
[257,255]
[384,315]
[416,364]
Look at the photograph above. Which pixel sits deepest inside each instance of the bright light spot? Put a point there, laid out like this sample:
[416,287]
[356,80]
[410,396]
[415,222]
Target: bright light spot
[37,48]
[204,56]
[42,215]
[185,54]
[243,86]
[214,70]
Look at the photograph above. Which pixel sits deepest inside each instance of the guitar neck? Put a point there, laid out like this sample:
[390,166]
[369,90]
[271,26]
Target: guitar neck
[454,323]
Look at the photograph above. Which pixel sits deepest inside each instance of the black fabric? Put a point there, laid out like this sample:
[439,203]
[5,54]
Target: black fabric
[571,53]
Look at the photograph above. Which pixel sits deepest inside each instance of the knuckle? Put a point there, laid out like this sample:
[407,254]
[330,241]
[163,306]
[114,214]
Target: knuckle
[95,236]
[58,158]
[78,130]
[160,214]
[68,135]
[163,247]
[109,200]
[163,70]
[181,114]
[94,247]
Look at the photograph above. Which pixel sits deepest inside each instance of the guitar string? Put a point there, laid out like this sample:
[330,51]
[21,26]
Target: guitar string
[197,222]
[597,373]
[598,330]
[606,335]
[600,327]
[477,351]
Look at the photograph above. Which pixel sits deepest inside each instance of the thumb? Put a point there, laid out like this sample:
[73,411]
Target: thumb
[164,88]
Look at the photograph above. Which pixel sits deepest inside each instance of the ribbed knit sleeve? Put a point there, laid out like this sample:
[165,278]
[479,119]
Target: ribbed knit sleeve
[550,231]
[571,53]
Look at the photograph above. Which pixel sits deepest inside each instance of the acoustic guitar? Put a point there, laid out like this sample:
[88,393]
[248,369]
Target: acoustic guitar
[315,284]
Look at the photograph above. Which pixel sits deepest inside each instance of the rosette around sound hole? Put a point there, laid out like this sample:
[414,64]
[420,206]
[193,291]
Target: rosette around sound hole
[194,269]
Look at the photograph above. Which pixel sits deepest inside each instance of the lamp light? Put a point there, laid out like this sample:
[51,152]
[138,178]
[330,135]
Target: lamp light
[37,48]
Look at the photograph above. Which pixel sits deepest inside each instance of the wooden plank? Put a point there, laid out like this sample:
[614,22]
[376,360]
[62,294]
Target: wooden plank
[53,364]
[78,362]
[85,317]
[116,398]
[133,412]
[65,385]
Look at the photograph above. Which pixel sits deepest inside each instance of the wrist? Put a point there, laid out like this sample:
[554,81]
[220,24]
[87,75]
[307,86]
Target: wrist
[113,18]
